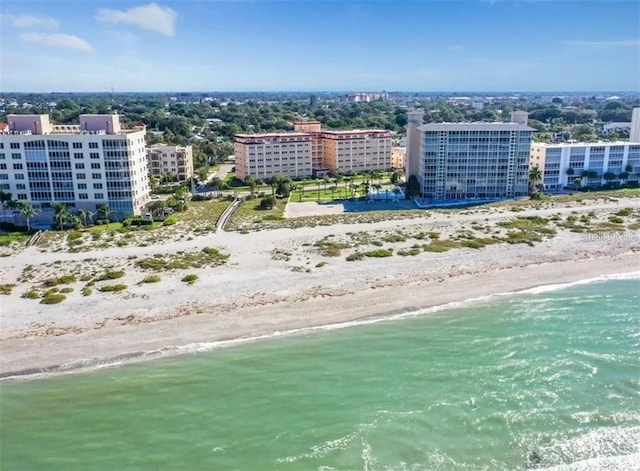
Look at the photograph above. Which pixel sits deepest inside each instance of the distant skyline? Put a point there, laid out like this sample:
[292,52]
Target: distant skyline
[264,45]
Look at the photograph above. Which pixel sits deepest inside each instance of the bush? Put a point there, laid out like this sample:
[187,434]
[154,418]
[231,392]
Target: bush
[61,280]
[379,253]
[150,279]
[201,198]
[170,221]
[616,220]
[31,294]
[53,298]
[68,289]
[355,256]
[111,275]
[268,202]
[190,279]
[86,291]
[74,235]
[321,264]
[6,289]
[112,288]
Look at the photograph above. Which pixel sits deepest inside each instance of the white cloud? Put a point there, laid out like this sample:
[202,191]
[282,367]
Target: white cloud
[69,41]
[152,17]
[603,44]
[30,21]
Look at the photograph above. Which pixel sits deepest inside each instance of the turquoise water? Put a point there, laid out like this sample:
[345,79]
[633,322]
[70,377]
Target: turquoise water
[547,380]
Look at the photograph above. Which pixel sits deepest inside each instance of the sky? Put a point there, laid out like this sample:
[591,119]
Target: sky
[307,45]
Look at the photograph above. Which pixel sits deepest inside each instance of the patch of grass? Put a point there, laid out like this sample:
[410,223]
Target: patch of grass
[625,212]
[330,248]
[112,288]
[6,289]
[616,220]
[60,280]
[67,290]
[150,279]
[10,238]
[208,256]
[321,264]
[53,298]
[31,294]
[110,275]
[394,238]
[413,251]
[355,256]
[86,291]
[190,279]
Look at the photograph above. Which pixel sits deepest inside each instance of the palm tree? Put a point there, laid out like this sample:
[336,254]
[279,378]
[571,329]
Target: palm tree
[28,212]
[5,197]
[571,172]
[609,177]
[13,205]
[60,213]
[84,214]
[104,212]
[535,175]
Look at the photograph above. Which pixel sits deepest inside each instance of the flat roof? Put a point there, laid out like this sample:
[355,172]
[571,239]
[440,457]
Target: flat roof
[585,144]
[273,134]
[474,127]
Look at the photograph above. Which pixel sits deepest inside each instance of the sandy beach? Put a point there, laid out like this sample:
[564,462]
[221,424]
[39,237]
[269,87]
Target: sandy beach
[276,281]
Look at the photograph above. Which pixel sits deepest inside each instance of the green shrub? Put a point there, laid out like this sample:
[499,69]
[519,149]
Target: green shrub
[413,251]
[434,235]
[86,291]
[61,280]
[378,253]
[112,288]
[31,294]
[190,279]
[74,235]
[616,220]
[625,212]
[150,279]
[68,289]
[473,244]
[111,275]
[53,298]
[170,221]
[321,264]
[355,256]
[6,289]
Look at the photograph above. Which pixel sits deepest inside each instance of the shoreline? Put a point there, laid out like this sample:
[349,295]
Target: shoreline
[184,335]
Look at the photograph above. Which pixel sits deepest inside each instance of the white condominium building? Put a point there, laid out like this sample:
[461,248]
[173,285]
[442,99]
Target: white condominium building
[562,163]
[459,161]
[84,166]
[310,150]
[170,160]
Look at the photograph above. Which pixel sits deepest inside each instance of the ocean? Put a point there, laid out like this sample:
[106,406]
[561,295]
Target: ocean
[545,379]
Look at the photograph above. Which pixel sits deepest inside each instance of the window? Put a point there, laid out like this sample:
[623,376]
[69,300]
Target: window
[82,186]
[19,176]
[22,196]
[83,196]
[94,155]
[3,166]
[95,165]
[15,156]
[93,145]
[15,145]
[17,166]
[4,176]
[78,155]
[2,156]
[97,186]
[77,145]
[81,176]
[79,165]
[96,176]
[21,186]
[98,196]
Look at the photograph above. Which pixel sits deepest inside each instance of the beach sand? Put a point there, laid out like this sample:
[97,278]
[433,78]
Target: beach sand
[259,292]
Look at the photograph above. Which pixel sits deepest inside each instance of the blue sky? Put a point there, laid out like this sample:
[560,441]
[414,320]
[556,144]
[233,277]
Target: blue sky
[237,45]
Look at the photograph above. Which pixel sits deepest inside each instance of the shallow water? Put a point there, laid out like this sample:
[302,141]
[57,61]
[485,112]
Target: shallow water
[539,380]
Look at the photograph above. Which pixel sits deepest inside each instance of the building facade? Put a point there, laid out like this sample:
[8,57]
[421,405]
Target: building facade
[460,161]
[84,166]
[165,160]
[563,163]
[311,151]
[398,155]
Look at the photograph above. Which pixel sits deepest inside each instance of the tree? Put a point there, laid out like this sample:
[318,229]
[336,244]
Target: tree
[535,176]
[60,213]
[394,178]
[585,132]
[413,187]
[577,183]
[609,177]
[104,213]
[285,187]
[28,212]
[5,197]
[251,183]
[13,205]
[624,176]
[85,215]
[571,172]
[202,173]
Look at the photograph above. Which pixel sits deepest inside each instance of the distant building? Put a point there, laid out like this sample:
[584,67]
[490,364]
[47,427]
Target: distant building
[365,97]
[309,150]
[398,157]
[175,160]
[607,128]
[84,166]
[599,157]
[634,133]
[459,161]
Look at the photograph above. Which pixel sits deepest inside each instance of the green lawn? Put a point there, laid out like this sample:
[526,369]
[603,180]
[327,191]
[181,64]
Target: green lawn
[202,212]
[249,212]
[321,195]
[8,238]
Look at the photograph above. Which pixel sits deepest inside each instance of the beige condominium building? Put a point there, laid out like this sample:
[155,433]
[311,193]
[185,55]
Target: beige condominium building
[170,160]
[398,155]
[309,150]
[93,163]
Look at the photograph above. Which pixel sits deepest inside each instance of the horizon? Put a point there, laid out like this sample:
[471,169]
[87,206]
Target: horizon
[275,46]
